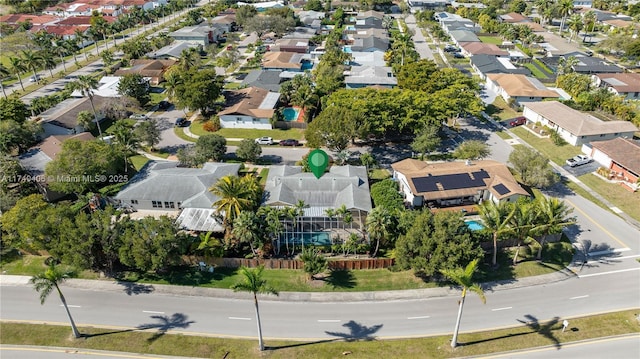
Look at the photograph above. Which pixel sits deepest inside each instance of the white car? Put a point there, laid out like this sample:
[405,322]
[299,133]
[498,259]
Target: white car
[139,116]
[579,160]
[264,141]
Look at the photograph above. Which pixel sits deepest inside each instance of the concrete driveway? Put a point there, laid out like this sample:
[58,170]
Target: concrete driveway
[582,170]
[169,141]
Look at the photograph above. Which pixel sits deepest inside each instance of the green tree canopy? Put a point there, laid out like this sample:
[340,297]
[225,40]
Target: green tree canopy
[472,150]
[532,167]
[200,89]
[134,85]
[249,151]
[211,147]
[385,194]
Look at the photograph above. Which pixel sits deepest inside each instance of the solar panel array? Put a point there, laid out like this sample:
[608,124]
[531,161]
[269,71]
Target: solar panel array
[501,189]
[450,181]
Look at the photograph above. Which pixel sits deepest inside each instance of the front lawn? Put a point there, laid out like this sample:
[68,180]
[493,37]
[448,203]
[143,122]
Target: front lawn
[557,154]
[276,134]
[627,201]
[496,40]
[501,109]
[536,72]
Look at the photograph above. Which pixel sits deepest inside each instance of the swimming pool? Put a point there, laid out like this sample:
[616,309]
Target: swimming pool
[306,65]
[474,225]
[291,114]
[315,238]
[347,49]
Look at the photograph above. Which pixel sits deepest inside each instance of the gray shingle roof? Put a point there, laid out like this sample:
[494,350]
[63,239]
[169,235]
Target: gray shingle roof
[164,181]
[342,185]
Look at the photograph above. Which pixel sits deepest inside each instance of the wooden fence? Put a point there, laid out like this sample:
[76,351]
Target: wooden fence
[340,264]
[285,125]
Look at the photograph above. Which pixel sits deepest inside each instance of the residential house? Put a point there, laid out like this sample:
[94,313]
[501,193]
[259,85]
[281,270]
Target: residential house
[469,5]
[513,18]
[625,84]
[268,80]
[456,183]
[364,76]
[621,156]
[263,6]
[368,44]
[519,88]
[62,119]
[481,48]
[202,34]
[107,87]
[251,107]
[224,23]
[300,46]
[428,4]
[486,64]
[82,20]
[289,186]
[585,65]
[76,8]
[464,25]
[164,186]
[461,36]
[311,18]
[373,58]
[286,61]
[444,16]
[615,24]
[15,19]
[575,127]
[369,19]
[302,32]
[35,160]
[153,70]
[173,51]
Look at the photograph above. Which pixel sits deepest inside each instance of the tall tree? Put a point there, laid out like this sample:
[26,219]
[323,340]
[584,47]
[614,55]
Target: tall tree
[496,218]
[86,84]
[553,216]
[533,167]
[235,196]
[61,52]
[136,86]
[246,229]
[45,282]
[472,150]
[4,72]
[464,278]
[149,132]
[48,60]
[565,8]
[17,68]
[254,283]
[522,222]
[126,140]
[378,224]
[426,141]
[32,61]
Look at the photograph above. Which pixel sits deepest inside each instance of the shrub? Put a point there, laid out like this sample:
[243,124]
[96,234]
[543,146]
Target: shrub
[314,262]
[210,126]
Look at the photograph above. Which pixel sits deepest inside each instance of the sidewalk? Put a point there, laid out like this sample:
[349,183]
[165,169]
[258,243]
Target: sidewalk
[129,287]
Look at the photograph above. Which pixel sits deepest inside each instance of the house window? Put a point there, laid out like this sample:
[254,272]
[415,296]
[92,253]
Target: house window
[156,204]
[635,94]
[238,119]
[169,205]
[134,201]
[531,98]
[602,135]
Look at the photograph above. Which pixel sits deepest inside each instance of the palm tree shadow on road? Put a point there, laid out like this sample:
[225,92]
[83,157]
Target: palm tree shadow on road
[357,332]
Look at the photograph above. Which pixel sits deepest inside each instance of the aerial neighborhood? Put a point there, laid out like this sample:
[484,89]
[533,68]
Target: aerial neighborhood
[325,152]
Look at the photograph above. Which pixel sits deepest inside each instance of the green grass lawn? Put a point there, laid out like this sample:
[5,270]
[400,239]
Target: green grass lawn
[544,333]
[179,131]
[138,161]
[543,66]
[503,135]
[536,72]
[379,174]
[500,108]
[557,154]
[276,134]
[627,201]
[496,40]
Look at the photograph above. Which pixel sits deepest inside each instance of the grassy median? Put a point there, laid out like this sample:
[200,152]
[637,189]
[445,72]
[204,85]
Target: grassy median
[155,341]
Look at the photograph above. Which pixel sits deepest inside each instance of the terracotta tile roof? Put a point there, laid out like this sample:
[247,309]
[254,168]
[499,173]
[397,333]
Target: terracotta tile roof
[147,68]
[52,145]
[621,82]
[482,175]
[576,122]
[521,85]
[623,151]
[34,19]
[513,17]
[247,102]
[64,30]
[481,48]
[83,20]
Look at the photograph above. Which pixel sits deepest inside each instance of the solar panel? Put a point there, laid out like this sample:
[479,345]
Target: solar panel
[501,189]
[450,181]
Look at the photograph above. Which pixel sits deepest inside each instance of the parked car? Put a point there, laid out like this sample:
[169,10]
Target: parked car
[458,55]
[34,78]
[579,160]
[181,122]
[163,105]
[264,141]
[139,116]
[518,121]
[289,142]
[451,48]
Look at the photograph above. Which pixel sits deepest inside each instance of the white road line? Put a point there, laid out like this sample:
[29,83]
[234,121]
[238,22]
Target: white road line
[152,312]
[580,297]
[239,318]
[608,251]
[612,272]
[71,306]
[328,320]
[504,308]
[422,317]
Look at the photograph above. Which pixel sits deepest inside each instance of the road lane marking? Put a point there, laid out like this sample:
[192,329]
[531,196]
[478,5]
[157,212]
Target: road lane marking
[71,306]
[597,224]
[328,320]
[611,272]
[504,308]
[239,318]
[580,297]
[152,312]
[609,251]
[422,317]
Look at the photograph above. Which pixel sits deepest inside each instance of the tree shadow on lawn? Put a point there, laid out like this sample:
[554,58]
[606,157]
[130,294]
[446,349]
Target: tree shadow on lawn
[300,344]
[166,323]
[339,278]
[189,276]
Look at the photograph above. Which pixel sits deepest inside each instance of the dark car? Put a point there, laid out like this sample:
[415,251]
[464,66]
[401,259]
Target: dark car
[451,48]
[518,121]
[163,105]
[289,142]
[181,122]
[458,55]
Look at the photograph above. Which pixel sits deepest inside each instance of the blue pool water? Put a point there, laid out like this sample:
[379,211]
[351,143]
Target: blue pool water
[290,114]
[307,65]
[474,226]
[315,238]
[347,49]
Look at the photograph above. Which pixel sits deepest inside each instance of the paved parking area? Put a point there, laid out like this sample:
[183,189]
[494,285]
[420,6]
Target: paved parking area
[582,170]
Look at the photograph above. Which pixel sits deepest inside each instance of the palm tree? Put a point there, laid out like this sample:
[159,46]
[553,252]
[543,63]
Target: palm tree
[378,224]
[80,36]
[61,51]
[565,8]
[188,59]
[126,139]
[496,219]
[4,72]
[86,84]
[235,197]
[464,278]
[247,230]
[48,60]
[45,282]
[32,61]
[543,7]
[17,68]
[575,24]
[553,216]
[522,221]
[71,45]
[255,284]
[172,80]
[589,19]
